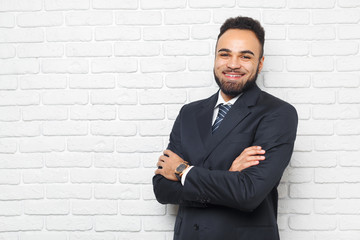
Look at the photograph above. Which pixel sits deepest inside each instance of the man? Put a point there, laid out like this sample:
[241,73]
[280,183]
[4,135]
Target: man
[227,153]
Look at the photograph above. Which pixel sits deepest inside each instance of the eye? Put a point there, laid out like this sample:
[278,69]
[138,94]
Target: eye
[246,57]
[224,54]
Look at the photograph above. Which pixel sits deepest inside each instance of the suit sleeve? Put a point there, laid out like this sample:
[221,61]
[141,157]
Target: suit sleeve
[245,190]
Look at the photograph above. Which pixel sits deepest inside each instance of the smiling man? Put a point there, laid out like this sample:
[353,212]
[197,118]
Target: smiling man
[227,153]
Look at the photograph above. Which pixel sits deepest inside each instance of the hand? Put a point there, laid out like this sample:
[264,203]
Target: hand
[249,157]
[167,165]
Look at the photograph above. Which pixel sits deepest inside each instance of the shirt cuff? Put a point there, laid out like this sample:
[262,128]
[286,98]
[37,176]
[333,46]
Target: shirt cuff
[186,171]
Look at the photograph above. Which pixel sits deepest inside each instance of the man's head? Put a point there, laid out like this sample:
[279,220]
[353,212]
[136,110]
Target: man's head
[239,55]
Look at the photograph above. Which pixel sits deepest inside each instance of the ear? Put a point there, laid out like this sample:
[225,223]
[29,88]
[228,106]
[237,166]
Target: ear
[261,63]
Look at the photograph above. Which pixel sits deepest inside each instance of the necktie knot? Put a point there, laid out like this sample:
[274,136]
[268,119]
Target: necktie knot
[223,110]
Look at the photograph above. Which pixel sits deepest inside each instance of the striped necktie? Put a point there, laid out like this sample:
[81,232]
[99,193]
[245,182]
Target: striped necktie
[223,110]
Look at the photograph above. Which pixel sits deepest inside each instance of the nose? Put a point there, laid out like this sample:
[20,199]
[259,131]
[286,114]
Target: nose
[234,63]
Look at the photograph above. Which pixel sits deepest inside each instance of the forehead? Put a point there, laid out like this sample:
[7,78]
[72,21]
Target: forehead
[239,40]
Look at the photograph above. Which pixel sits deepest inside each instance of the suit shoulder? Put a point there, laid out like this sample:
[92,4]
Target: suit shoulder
[275,104]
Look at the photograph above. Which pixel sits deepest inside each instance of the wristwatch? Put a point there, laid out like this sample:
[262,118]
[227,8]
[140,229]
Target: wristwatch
[180,170]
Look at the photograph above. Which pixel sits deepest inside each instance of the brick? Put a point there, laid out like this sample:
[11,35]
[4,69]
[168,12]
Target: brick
[169,64]
[91,236]
[148,144]
[136,207]
[312,33]
[348,3]
[19,66]
[68,97]
[7,51]
[65,66]
[22,223]
[315,128]
[19,98]
[64,128]
[295,206]
[115,191]
[21,161]
[336,16]
[346,159]
[68,191]
[34,50]
[147,192]
[120,97]
[21,35]
[88,50]
[11,208]
[46,207]
[192,48]
[69,34]
[199,64]
[276,32]
[44,113]
[40,19]
[55,5]
[316,222]
[155,128]
[67,160]
[348,63]
[211,3]
[160,4]
[136,176]
[337,143]
[310,64]
[11,177]
[314,96]
[20,5]
[7,20]
[117,33]
[21,192]
[149,160]
[114,65]
[98,207]
[9,114]
[115,4]
[41,144]
[68,223]
[90,144]
[98,81]
[166,33]
[335,80]
[160,223]
[341,235]
[287,80]
[303,111]
[138,18]
[342,111]
[281,48]
[93,112]
[9,236]
[118,223]
[93,176]
[89,18]
[262,4]
[273,64]
[286,17]
[313,160]
[348,127]
[220,15]
[43,236]
[197,94]
[338,206]
[162,96]
[19,129]
[8,82]
[296,235]
[349,223]
[45,176]
[187,17]
[113,128]
[297,175]
[111,160]
[204,32]
[310,190]
[141,49]
[43,82]
[143,81]
[142,236]
[349,191]
[349,31]
[310,4]
[141,112]
[337,175]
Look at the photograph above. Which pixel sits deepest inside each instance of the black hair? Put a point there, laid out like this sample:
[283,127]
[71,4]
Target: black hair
[245,23]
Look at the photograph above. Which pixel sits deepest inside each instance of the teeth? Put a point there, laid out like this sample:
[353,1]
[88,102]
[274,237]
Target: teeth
[231,75]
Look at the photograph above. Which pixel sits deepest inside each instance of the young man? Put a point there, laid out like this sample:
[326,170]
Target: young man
[227,153]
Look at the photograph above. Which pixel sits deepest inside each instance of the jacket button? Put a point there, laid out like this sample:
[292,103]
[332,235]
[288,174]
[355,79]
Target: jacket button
[196,227]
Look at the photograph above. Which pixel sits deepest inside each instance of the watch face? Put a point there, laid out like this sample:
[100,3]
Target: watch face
[181,168]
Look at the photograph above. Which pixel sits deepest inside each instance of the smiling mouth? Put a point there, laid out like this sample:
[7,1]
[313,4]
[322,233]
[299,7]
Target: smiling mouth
[233,75]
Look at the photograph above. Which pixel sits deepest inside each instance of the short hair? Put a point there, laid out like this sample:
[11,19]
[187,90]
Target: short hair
[245,23]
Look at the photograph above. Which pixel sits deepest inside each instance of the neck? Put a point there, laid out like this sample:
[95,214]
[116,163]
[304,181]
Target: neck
[226,97]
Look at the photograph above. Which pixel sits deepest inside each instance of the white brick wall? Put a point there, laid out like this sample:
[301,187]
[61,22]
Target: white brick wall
[89,90]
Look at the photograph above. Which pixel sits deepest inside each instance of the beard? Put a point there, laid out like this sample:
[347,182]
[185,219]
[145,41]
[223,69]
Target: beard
[234,89]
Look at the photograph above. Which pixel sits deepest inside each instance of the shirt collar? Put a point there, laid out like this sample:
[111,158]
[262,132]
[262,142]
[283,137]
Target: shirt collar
[222,101]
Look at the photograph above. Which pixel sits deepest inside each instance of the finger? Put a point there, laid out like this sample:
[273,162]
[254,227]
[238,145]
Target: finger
[252,148]
[162,158]
[167,152]
[157,171]
[255,152]
[159,163]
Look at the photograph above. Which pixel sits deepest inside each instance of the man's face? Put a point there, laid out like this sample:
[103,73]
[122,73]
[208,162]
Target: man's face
[237,61]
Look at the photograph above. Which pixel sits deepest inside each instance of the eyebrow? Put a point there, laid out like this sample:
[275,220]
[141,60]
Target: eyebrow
[242,52]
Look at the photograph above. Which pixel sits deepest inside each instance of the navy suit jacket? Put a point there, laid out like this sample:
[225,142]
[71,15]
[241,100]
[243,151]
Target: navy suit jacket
[218,204]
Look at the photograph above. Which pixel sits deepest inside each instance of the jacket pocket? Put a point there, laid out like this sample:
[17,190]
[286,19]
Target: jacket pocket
[257,233]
